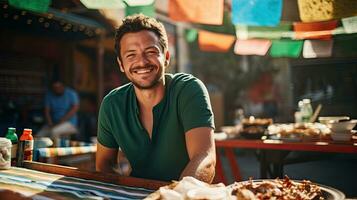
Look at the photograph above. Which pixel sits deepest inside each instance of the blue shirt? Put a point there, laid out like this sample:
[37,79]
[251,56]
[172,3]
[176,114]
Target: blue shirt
[60,105]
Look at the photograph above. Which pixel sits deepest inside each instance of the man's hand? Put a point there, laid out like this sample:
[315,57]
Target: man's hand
[69,114]
[202,152]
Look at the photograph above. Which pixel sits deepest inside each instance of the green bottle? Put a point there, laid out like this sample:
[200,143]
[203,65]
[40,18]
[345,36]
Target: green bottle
[11,135]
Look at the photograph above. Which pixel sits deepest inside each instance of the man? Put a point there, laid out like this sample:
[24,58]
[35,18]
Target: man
[61,106]
[162,122]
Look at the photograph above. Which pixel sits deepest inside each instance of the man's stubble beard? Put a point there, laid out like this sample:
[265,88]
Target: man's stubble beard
[154,83]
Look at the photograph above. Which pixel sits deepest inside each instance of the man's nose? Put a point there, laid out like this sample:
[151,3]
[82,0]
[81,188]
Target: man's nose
[142,59]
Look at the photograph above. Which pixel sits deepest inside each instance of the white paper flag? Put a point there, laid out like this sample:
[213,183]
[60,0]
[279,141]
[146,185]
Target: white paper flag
[350,24]
[317,48]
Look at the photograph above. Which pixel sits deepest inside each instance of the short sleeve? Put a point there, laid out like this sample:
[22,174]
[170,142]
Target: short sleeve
[195,106]
[104,135]
[74,98]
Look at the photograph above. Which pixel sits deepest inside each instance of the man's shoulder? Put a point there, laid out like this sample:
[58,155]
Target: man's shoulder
[118,93]
[69,90]
[181,79]
[184,81]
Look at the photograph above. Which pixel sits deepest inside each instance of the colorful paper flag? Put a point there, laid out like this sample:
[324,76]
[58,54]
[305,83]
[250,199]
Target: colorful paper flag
[323,10]
[100,4]
[197,11]
[256,12]
[350,24]
[317,48]
[281,31]
[314,30]
[252,47]
[216,42]
[191,34]
[162,6]
[148,10]
[139,2]
[114,15]
[286,48]
[36,6]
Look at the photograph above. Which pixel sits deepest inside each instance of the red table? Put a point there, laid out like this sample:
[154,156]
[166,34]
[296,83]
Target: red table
[319,146]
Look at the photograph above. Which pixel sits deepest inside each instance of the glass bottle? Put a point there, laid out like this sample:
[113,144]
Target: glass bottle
[306,110]
[25,150]
[238,116]
[11,135]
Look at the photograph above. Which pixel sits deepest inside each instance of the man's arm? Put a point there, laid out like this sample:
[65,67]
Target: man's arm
[106,159]
[70,113]
[48,116]
[202,153]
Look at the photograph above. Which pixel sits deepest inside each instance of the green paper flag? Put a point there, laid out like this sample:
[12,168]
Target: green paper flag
[102,4]
[148,10]
[247,32]
[286,48]
[36,6]
[190,35]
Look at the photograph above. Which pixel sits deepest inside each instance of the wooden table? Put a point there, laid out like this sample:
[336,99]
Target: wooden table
[39,180]
[230,144]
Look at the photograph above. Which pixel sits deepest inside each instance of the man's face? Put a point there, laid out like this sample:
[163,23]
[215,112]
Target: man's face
[58,88]
[143,61]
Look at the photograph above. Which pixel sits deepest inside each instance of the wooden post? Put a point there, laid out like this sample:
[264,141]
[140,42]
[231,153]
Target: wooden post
[100,67]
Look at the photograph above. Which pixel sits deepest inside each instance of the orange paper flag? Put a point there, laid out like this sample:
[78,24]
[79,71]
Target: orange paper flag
[252,47]
[314,30]
[216,42]
[197,11]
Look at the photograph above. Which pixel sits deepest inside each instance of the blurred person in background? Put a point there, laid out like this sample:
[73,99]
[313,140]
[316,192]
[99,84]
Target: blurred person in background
[61,106]
[162,122]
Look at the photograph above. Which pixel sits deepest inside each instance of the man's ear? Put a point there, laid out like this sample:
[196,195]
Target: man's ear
[120,65]
[167,58]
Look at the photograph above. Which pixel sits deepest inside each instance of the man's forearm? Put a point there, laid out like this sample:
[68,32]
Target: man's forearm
[108,168]
[201,167]
[70,113]
[48,117]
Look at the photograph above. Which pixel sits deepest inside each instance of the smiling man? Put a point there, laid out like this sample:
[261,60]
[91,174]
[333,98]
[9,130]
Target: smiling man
[162,122]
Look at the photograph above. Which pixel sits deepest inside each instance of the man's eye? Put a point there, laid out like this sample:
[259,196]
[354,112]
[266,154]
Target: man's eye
[151,52]
[130,56]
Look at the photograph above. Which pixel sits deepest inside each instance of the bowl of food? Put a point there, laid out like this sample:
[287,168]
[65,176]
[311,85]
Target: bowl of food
[327,119]
[342,126]
[341,137]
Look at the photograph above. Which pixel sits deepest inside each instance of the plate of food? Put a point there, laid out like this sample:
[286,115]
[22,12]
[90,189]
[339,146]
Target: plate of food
[190,188]
[285,188]
[297,132]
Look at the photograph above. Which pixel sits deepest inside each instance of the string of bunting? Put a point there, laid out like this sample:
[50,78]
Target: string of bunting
[258,25]
[257,22]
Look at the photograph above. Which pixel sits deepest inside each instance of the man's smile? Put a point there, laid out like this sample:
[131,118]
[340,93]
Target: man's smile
[144,70]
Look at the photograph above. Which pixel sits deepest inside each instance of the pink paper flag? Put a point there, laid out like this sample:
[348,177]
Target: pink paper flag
[252,47]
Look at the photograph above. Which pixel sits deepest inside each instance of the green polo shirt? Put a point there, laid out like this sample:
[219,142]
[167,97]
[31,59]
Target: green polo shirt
[185,106]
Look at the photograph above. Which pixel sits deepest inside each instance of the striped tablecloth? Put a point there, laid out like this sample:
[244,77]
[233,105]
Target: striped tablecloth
[40,185]
[63,151]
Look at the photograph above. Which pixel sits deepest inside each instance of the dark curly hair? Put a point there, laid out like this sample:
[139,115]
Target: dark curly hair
[139,22]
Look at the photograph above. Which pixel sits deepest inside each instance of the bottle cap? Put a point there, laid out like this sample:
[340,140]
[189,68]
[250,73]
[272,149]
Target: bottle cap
[306,101]
[27,131]
[11,130]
